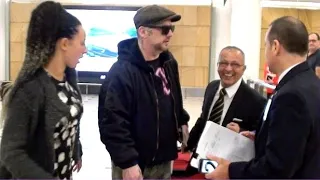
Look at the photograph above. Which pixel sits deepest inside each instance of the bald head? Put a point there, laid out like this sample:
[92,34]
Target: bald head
[234,49]
[231,65]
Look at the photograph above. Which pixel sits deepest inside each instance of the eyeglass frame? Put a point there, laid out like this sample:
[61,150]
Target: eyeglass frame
[233,65]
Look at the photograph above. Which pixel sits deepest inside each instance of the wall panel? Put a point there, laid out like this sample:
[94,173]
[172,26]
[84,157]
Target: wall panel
[190,43]
[309,17]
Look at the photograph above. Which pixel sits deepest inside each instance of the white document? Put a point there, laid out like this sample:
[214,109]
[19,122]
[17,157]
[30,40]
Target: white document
[222,142]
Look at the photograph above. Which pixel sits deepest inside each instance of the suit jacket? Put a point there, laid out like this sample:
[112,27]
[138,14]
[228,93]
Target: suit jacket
[247,104]
[287,142]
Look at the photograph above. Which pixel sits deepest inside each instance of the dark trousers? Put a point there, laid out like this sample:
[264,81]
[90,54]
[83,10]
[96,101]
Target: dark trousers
[161,171]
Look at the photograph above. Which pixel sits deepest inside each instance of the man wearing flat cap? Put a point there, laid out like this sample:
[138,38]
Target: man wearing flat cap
[141,114]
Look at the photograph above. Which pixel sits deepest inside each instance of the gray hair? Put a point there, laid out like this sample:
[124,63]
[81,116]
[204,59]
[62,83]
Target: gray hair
[233,48]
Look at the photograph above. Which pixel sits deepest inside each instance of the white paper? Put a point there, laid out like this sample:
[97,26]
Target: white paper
[222,142]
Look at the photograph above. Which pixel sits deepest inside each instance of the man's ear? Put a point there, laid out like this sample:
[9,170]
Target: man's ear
[144,31]
[63,43]
[276,47]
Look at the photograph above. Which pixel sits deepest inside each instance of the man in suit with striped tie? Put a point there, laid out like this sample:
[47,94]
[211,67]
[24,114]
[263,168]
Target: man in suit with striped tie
[229,102]
[287,140]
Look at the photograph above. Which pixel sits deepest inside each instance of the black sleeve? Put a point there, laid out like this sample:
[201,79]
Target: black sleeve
[115,125]
[77,152]
[257,108]
[184,117]
[19,128]
[288,130]
[317,60]
[197,129]
[102,99]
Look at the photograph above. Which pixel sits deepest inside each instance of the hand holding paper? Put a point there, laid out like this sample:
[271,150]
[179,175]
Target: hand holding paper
[224,143]
[248,134]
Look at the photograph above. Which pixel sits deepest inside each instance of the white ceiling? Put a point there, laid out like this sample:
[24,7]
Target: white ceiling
[299,4]
[315,1]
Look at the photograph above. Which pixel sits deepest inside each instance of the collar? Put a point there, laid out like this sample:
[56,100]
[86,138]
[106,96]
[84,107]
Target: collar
[231,91]
[286,71]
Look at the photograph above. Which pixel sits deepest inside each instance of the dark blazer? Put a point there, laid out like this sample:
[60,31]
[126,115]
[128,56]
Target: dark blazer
[287,143]
[27,150]
[247,105]
[314,60]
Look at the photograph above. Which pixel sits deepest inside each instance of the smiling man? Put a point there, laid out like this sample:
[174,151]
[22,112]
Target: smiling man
[141,111]
[229,102]
[287,141]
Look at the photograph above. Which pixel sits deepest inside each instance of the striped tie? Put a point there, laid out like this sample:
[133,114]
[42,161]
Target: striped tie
[216,113]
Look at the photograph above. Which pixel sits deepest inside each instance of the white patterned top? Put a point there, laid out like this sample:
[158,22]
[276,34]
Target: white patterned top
[65,131]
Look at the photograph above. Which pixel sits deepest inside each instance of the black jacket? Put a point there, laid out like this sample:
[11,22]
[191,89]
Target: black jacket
[314,60]
[27,150]
[129,123]
[287,143]
[247,105]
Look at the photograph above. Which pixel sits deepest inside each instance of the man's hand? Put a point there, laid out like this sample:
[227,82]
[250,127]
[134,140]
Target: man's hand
[132,173]
[185,137]
[222,170]
[77,166]
[249,134]
[234,127]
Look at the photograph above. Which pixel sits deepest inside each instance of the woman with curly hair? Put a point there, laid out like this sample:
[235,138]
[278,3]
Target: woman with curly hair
[40,138]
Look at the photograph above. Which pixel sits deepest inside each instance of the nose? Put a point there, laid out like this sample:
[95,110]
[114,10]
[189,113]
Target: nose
[228,68]
[170,33]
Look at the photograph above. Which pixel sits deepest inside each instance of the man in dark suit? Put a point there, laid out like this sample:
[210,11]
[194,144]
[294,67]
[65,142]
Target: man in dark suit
[314,53]
[229,102]
[287,142]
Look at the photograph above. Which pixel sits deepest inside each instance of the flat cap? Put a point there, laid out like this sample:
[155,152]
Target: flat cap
[153,14]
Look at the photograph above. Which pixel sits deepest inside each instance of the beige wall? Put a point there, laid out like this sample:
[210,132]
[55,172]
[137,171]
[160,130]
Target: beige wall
[309,17]
[190,44]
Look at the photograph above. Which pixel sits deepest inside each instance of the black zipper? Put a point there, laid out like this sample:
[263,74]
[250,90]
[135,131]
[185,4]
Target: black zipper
[158,118]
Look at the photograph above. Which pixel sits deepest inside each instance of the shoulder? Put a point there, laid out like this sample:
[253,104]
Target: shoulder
[30,90]
[121,68]
[171,59]
[253,94]
[121,74]
[318,54]
[213,84]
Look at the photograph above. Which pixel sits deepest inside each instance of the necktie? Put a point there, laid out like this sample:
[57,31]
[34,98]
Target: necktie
[217,109]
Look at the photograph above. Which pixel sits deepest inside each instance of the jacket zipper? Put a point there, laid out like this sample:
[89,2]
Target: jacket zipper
[174,104]
[158,118]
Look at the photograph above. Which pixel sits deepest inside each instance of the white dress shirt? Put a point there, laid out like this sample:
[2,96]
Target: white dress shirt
[231,91]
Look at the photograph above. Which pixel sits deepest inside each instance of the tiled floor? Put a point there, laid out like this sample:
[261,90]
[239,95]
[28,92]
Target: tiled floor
[96,160]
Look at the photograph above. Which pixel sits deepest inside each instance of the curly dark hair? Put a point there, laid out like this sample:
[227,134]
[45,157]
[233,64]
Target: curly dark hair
[49,22]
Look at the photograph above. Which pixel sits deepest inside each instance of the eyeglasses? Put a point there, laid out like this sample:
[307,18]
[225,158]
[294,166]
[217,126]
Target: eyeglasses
[234,65]
[165,29]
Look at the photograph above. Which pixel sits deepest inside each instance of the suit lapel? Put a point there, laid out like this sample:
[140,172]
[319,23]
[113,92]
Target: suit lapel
[234,104]
[292,73]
